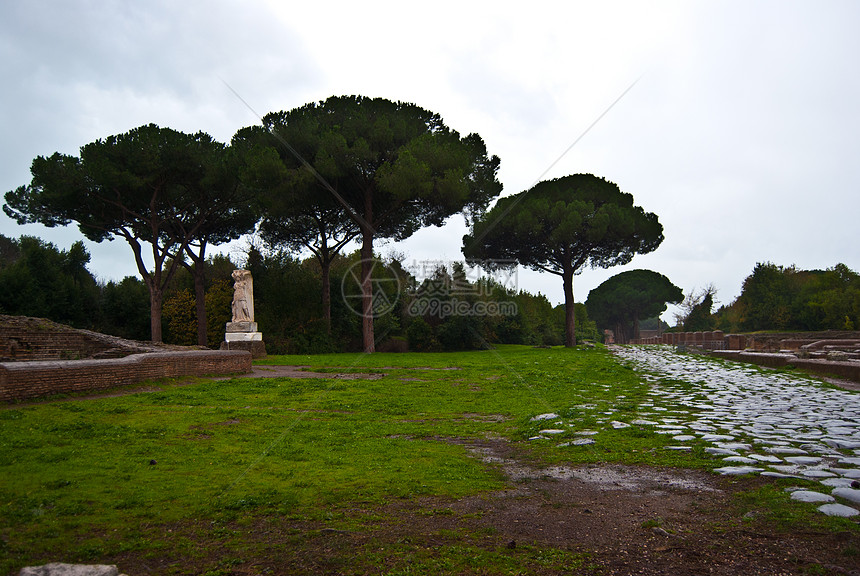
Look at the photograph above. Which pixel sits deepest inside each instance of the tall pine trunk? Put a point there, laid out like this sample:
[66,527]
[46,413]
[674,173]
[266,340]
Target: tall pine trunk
[200,304]
[569,309]
[325,266]
[156,299]
[367,291]
[366,272]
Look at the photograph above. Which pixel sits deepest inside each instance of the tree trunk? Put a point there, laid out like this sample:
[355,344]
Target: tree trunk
[152,282]
[635,325]
[200,303]
[325,266]
[569,310]
[156,298]
[367,291]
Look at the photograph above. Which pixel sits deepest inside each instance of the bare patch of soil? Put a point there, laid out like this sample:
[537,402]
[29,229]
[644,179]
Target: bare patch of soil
[641,520]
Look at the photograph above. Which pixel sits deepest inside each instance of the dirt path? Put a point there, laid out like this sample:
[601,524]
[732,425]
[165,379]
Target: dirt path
[640,520]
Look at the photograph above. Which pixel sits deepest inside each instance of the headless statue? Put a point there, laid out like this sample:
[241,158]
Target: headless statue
[243,296]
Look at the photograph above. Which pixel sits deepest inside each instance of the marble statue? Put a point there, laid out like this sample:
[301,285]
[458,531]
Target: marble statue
[243,296]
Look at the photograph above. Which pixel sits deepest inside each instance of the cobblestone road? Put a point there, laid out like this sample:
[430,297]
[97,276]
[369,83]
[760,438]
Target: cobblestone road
[757,421]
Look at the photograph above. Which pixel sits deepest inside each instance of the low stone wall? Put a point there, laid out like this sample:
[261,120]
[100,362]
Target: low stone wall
[821,352]
[715,340]
[762,342]
[846,370]
[776,341]
[26,380]
[759,358]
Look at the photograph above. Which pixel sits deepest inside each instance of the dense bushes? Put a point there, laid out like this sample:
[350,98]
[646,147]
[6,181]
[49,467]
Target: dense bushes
[39,280]
[449,309]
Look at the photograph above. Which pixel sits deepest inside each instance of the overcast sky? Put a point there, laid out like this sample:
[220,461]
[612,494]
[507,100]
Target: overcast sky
[742,132]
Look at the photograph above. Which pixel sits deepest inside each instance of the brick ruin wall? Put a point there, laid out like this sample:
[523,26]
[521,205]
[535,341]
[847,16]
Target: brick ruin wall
[27,380]
[846,370]
[30,342]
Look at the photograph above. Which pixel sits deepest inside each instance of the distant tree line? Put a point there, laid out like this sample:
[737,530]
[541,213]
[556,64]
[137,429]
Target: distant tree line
[39,280]
[773,298]
[778,298]
[786,298]
[44,281]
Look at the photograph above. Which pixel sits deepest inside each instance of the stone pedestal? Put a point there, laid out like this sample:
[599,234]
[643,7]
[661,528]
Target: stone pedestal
[257,348]
[239,327]
[244,336]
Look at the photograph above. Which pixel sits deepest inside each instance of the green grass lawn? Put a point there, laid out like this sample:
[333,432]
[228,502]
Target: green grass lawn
[85,480]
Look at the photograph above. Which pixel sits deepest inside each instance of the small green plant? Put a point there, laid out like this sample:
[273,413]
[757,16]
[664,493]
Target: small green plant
[652,523]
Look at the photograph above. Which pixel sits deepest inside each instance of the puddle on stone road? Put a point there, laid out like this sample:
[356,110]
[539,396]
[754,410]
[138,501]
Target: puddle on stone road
[633,478]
